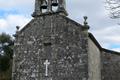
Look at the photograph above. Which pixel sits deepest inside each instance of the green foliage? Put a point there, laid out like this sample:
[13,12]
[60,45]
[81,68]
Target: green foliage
[6,51]
[5,38]
[4,63]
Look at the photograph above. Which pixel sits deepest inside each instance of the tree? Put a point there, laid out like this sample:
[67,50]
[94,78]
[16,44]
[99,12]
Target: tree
[114,7]
[6,51]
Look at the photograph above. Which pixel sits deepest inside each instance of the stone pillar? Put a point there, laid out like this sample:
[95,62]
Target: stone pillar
[62,7]
[38,10]
[49,9]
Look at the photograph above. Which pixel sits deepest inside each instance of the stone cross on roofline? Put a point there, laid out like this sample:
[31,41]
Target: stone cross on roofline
[48,5]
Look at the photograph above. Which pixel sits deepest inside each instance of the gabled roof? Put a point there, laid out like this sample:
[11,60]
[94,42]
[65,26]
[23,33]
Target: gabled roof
[111,51]
[94,40]
[64,17]
[26,26]
[99,46]
[77,24]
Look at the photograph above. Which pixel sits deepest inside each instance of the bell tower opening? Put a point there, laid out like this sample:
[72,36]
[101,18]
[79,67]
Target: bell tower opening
[43,7]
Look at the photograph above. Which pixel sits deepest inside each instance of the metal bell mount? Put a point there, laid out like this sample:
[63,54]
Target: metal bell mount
[54,3]
[44,4]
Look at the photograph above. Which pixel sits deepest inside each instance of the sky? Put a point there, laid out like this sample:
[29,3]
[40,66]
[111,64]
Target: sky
[107,32]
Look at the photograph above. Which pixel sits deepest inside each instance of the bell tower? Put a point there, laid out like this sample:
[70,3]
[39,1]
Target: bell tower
[43,7]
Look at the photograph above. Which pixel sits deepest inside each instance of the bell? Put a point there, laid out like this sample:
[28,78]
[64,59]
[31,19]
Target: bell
[44,5]
[54,3]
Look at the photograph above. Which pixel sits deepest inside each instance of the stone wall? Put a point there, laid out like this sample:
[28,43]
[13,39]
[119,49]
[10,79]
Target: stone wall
[110,65]
[94,61]
[61,41]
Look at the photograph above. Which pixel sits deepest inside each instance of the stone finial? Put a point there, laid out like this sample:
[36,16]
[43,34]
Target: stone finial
[85,22]
[17,27]
[47,7]
[17,30]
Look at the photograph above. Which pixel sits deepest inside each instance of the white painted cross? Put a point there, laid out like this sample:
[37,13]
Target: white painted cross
[46,63]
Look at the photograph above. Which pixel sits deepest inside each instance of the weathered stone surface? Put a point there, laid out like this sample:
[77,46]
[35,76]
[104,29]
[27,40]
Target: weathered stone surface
[73,55]
[110,65]
[94,61]
[57,39]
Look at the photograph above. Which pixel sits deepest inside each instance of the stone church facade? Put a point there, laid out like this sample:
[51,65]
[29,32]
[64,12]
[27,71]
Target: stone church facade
[54,47]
